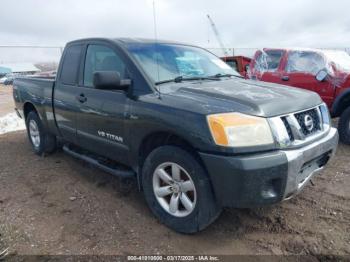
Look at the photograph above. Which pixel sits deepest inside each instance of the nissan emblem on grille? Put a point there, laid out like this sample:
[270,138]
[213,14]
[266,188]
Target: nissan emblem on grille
[302,125]
[308,122]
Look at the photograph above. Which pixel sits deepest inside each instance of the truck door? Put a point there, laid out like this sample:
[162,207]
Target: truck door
[266,66]
[101,115]
[65,92]
[301,69]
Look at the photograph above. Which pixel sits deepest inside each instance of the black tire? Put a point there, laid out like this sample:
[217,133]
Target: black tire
[344,127]
[205,211]
[47,143]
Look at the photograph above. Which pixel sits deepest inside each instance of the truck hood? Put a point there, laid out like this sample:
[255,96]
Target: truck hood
[240,95]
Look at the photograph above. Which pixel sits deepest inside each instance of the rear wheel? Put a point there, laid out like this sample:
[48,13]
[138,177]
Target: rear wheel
[178,190]
[344,126]
[42,142]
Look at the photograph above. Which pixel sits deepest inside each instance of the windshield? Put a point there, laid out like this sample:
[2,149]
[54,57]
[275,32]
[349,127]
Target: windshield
[163,62]
[340,58]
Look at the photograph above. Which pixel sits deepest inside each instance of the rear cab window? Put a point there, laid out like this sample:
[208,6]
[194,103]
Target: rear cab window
[70,65]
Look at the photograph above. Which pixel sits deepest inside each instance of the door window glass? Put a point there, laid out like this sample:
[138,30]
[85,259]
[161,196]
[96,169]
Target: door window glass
[101,58]
[306,62]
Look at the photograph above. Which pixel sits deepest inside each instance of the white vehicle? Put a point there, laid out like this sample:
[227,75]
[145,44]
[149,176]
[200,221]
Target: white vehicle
[3,79]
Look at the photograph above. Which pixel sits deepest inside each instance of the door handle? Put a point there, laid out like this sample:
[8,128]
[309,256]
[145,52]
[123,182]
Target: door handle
[285,78]
[81,98]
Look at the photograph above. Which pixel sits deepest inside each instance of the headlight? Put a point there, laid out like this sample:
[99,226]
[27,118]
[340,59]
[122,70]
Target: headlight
[239,130]
[326,119]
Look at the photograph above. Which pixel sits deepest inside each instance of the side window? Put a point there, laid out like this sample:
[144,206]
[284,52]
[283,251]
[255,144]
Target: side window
[306,62]
[268,61]
[101,58]
[70,65]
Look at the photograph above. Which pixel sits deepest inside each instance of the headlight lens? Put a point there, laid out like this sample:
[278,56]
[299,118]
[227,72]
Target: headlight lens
[239,130]
[326,119]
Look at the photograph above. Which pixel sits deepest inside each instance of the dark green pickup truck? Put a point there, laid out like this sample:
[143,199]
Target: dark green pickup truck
[195,135]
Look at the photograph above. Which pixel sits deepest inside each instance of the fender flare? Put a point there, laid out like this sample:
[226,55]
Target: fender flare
[40,111]
[337,107]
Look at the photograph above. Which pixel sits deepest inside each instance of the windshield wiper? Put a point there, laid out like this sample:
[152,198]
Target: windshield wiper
[226,75]
[179,79]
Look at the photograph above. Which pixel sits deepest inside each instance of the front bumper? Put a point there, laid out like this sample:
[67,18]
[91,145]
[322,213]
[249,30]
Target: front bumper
[267,178]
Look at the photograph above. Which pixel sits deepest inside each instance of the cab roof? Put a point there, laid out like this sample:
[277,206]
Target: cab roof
[128,41]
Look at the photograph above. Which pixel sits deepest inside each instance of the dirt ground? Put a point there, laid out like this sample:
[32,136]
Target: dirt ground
[58,205]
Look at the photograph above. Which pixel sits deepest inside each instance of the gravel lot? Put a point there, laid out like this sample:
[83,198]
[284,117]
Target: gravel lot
[58,205]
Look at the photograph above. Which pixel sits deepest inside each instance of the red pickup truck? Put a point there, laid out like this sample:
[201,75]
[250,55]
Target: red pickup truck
[238,63]
[326,72]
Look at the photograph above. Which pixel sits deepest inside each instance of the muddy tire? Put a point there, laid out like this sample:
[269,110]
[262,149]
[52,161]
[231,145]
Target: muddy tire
[178,190]
[41,141]
[344,127]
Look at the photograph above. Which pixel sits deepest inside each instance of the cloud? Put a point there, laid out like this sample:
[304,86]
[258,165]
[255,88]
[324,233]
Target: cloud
[256,23]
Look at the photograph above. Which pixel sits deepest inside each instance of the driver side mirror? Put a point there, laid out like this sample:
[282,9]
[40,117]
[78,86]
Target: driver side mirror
[321,75]
[109,80]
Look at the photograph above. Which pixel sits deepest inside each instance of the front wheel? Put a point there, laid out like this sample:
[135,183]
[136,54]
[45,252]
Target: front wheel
[344,127]
[178,190]
[41,141]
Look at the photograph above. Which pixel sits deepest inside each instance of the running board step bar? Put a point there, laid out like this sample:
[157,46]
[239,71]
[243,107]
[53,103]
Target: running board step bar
[119,171]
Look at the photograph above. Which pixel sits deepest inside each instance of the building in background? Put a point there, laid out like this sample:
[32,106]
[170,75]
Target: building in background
[18,69]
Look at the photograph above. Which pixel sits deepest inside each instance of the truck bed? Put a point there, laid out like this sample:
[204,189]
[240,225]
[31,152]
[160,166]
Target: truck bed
[38,91]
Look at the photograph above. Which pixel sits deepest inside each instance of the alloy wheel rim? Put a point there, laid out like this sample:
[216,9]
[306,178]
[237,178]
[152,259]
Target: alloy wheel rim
[174,189]
[34,133]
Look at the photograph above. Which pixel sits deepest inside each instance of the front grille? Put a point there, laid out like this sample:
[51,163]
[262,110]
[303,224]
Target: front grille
[289,130]
[296,129]
[313,118]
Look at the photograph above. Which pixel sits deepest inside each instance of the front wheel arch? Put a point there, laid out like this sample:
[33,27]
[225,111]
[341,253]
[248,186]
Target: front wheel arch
[158,139]
[341,103]
[344,126]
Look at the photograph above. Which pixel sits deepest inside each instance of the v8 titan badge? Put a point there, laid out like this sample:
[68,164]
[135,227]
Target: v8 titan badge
[110,136]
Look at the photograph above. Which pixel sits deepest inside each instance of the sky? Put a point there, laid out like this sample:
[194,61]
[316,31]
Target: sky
[241,24]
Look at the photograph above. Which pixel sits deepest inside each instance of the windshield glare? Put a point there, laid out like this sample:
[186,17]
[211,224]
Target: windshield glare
[163,62]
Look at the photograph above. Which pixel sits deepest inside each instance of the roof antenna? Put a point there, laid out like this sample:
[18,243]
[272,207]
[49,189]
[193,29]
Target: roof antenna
[156,41]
